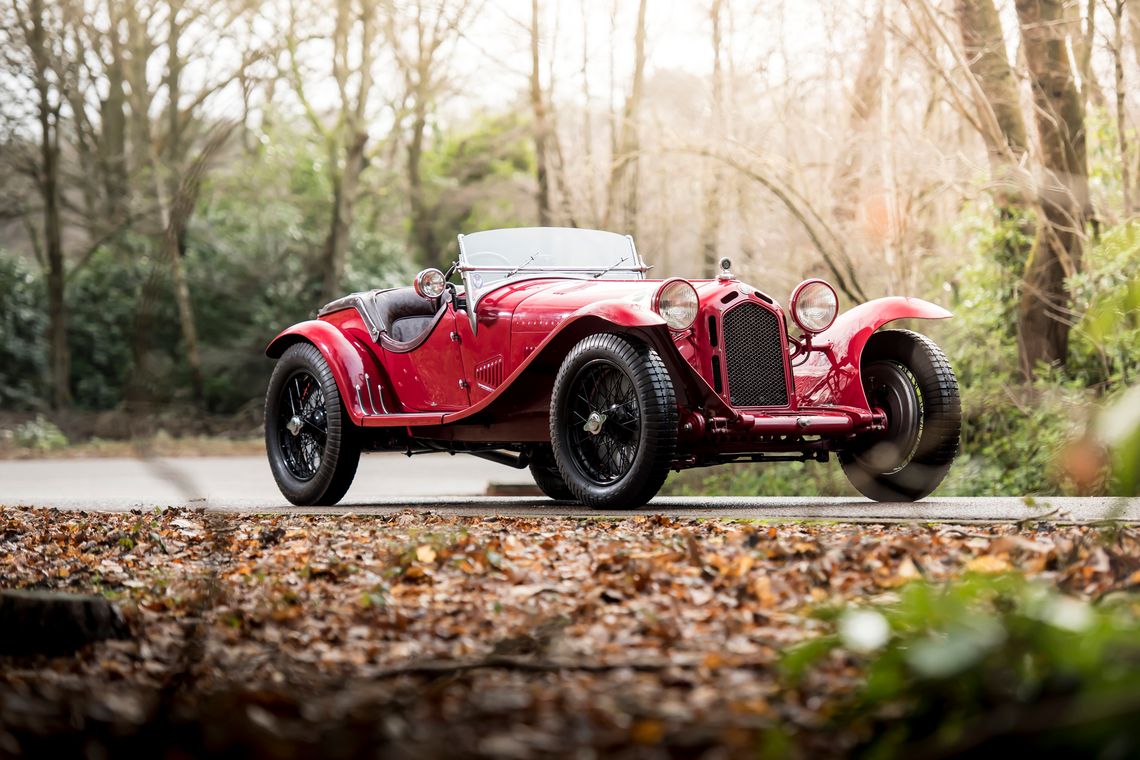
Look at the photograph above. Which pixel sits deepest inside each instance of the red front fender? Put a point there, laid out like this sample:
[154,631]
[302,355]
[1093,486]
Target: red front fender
[831,373]
[353,365]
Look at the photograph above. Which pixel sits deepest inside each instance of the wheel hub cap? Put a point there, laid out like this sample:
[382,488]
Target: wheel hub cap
[594,423]
[295,424]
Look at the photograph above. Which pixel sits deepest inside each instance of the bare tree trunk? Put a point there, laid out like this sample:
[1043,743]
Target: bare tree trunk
[113,146]
[984,47]
[590,192]
[1044,316]
[623,186]
[423,232]
[175,212]
[710,225]
[1082,43]
[47,114]
[538,109]
[345,185]
[1121,107]
[1134,25]
[865,95]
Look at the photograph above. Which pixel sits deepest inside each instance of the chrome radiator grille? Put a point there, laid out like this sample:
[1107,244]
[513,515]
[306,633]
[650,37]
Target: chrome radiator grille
[755,354]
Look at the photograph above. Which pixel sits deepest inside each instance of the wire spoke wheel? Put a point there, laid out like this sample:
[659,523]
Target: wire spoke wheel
[310,439]
[613,422]
[302,425]
[605,421]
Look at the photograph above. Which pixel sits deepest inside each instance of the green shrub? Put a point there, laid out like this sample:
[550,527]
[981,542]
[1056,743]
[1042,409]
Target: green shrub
[984,665]
[39,434]
[23,335]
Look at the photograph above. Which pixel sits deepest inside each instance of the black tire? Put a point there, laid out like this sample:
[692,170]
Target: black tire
[623,462]
[316,464]
[547,477]
[909,377]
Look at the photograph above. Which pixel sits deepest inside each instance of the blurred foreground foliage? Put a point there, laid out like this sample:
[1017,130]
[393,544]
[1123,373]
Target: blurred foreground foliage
[986,665]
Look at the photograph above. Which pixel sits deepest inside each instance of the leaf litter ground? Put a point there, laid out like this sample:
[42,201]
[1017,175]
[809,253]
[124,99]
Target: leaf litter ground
[418,634]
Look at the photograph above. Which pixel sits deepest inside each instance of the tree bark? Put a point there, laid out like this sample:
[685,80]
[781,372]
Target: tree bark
[865,97]
[1082,42]
[623,185]
[345,185]
[47,113]
[1121,106]
[984,46]
[113,145]
[1044,314]
[711,222]
[538,109]
[1133,14]
[423,232]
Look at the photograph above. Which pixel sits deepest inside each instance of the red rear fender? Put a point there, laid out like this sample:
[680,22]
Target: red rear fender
[356,370]
[831,374]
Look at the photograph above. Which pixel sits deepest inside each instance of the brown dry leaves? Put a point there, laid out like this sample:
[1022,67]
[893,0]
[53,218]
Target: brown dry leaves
[508,636]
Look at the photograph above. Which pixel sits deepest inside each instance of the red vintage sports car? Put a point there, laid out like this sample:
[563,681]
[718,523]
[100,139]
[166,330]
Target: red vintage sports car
[553,351]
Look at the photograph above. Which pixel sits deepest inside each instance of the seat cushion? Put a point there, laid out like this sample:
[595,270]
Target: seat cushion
[407,329]
[389,306]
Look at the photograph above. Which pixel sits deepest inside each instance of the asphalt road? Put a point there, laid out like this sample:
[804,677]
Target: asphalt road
[457,485]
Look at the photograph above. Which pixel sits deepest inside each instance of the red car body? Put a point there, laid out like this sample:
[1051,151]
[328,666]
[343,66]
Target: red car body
[494,386]
[557,354]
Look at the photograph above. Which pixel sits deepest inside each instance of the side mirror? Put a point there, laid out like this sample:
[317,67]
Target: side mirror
[430,283]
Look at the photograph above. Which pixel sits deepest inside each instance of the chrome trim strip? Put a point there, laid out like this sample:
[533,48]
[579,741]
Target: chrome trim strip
[576,270]
[368,385]
[354,301]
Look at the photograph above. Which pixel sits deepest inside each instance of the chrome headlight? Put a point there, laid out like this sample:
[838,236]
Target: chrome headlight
[430,283]
[814,305]
[677,303]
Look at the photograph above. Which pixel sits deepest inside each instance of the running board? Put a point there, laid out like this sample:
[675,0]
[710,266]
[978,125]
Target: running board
[402,420]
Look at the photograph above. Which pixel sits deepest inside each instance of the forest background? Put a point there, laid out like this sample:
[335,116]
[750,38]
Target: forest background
[181,178]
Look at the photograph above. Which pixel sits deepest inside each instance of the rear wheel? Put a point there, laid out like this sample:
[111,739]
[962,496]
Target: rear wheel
[907,376]
[313,446]
[613,422]
[547,477]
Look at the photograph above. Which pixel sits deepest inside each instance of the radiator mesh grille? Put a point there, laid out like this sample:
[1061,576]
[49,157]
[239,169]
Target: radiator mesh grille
[755,354]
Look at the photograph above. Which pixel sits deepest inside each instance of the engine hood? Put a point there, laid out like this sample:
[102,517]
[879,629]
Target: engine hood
[542,305]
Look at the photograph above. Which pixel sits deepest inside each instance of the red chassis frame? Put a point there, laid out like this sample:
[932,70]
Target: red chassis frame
[462,391]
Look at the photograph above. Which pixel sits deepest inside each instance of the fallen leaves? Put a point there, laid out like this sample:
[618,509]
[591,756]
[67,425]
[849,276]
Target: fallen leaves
[552,632]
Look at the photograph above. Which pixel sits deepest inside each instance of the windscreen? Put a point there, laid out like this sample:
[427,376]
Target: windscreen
[547,251]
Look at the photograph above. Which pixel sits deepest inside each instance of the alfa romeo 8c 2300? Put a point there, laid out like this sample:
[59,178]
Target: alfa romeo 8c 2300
[551,349]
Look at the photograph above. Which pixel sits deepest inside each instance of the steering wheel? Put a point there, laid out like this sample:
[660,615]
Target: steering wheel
[503,259]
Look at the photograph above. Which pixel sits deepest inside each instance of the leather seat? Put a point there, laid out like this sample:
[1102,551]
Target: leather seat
[405,317]
[399,318]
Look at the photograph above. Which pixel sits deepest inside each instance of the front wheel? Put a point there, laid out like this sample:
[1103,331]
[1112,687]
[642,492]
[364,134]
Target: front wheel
[313,446]
[907,376]
[613,422]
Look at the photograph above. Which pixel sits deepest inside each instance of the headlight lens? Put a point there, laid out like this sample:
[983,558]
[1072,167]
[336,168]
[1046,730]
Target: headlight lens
[814,305]
[430,283]
[677,303]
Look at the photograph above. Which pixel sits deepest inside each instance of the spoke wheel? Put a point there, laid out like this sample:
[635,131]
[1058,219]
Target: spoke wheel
[302,425]
[312,444]
[613,422]
[605,426]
